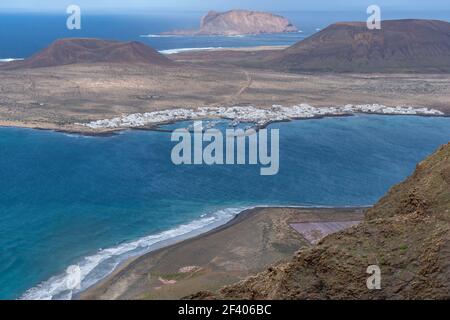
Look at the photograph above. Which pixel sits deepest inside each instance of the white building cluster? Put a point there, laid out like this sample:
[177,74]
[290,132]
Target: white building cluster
[258,116]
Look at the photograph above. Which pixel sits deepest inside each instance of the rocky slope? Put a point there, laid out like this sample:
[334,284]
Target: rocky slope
[407,234]
[239,22]
[400,45]
[74,50]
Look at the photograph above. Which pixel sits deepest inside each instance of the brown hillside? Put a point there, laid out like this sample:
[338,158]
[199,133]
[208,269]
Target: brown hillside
[407,234]
[71,51]
[400,45]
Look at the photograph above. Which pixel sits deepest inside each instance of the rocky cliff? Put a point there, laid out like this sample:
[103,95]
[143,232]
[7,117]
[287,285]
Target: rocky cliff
[406,234]
[239,22]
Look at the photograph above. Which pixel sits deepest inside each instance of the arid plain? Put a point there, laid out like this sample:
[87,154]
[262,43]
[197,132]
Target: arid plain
[58,97]
[80,81]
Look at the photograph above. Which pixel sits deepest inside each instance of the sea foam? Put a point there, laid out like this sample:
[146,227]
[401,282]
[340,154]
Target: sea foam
[172,51]
[158,35]
[10,59]
[97,266]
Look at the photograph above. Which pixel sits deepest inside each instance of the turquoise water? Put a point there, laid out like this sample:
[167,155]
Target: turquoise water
[64,197]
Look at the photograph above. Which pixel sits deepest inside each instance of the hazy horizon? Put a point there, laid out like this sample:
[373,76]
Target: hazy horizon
[143,6]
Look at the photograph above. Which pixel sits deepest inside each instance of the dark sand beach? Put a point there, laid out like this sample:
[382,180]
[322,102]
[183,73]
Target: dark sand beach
[249,243]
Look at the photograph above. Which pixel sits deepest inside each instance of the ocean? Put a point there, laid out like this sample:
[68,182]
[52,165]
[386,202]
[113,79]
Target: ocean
[23,34]
[94,201]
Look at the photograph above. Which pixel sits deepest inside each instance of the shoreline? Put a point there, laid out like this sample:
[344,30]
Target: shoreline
[132,250]
[95,129]
[212,49]
[127,262]
[128,258]
[250,114]
[245,216]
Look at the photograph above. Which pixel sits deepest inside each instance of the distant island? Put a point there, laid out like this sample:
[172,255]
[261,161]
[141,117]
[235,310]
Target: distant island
[239,22]
[95,86]
[177,233]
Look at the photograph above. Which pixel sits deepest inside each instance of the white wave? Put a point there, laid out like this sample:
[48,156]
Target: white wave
[96,267]
[172,51]
[158,35]
[77,136]
[10,59]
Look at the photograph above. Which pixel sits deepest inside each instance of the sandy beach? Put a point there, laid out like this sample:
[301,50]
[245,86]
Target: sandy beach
[171,52]
[249,243]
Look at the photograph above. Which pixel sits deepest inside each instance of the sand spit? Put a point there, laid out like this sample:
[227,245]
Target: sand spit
[258,116]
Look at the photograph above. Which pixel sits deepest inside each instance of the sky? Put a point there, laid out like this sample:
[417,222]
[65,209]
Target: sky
[204,5]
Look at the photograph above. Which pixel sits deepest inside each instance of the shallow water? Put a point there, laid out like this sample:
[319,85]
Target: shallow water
[64,197]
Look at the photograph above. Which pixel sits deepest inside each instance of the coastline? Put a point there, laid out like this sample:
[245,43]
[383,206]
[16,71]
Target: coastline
[206,233]
[105,215]
[260,117]
[250,114]
[84,130]
[122,267]
[108,259]
[211,49]
[113,286]
[56,286]
[47,126]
